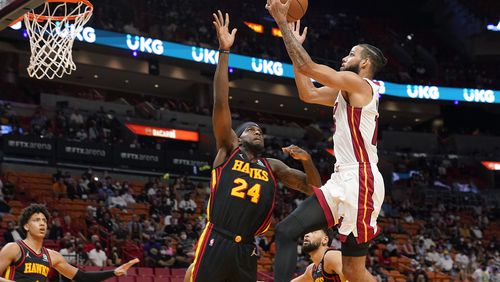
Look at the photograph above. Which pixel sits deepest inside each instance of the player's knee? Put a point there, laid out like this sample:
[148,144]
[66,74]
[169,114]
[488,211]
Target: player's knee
[282,231]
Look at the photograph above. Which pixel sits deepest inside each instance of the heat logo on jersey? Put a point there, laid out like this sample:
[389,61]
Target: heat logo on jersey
[255,173]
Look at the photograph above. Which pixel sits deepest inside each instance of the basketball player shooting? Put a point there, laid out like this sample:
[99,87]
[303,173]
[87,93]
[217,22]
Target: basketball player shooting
[353,196]
[243,185]
[28,261]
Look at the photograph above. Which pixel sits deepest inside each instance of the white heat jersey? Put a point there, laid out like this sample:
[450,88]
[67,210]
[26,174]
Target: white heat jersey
[355,130]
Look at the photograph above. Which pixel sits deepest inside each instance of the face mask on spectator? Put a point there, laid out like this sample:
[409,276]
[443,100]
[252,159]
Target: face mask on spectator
[183,236]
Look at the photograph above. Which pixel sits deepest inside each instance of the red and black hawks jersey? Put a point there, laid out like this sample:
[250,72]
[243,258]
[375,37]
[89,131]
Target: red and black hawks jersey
[319,274]
[242,195]
[30,267]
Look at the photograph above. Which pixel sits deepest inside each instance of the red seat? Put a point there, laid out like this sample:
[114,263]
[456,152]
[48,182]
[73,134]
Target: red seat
[162,271]
[112,279]
[146,278]
[176,279]
[126,279]
[92,268]
[178,272]
[145,271]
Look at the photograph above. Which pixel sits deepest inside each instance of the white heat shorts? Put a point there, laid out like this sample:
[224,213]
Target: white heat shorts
[352,199]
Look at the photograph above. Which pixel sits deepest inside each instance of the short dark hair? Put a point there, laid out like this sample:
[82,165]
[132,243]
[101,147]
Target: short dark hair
[28,212]
[375,56]
[328,232]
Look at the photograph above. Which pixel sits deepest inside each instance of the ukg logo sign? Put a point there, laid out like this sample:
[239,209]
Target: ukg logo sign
[144,44]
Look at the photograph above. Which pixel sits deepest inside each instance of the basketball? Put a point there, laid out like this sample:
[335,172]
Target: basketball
[297,10]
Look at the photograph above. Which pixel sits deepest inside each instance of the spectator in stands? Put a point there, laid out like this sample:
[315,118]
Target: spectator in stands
[420,249]
[82,256]
[187,205]
[7,190]
[185,251]
[118,201]
[432,256]
[70,187]
[464,231]
[81,135]
[97,256]
[76,119]
[106,222]
[166,258]
[392,248]
[420,275]
[384,259]
[115,257]
[69,253]
[407,248]
[135,228]
[121,233]
[59,189]
[169,202]
[462,260]
[11,234]
[104,192]
[94,239]
[148,231]
[379,274]
[478,234]
[152,253]
[4,207]
[481,274]
[56,231]
[190,232]
[39,122]
[81,190]
[445,263]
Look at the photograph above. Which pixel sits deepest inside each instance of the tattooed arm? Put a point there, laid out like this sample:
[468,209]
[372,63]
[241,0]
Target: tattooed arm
[342,80]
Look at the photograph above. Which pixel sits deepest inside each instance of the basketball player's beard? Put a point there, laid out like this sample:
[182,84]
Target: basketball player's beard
[353,68]
[311,247]
[254,148]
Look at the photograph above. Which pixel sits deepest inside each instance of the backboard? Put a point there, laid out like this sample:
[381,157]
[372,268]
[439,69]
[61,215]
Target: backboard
[11,10]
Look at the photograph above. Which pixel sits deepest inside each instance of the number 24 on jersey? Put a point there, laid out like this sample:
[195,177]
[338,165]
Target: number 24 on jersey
[242,191]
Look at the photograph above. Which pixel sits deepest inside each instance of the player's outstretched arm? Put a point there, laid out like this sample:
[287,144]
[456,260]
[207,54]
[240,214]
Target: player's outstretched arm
[221,120]
[71,272]
[344,80]
[8,254]
[294,178]
[309,93]
[306,276]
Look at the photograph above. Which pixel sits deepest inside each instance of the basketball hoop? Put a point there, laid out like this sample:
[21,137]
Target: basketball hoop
[52,32]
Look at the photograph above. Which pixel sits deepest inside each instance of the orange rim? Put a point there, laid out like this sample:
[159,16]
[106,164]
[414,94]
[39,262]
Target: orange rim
[41,18]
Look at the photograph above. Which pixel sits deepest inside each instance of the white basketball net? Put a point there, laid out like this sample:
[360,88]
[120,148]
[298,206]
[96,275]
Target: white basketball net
[51,33]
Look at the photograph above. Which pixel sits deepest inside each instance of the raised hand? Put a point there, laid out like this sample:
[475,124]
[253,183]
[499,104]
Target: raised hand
[295,28]
[278,10]
[122,269]
[296,153]
[225,38]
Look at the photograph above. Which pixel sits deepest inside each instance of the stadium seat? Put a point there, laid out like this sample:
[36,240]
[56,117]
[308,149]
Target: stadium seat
[145,278]
[93,268]
[127,279]
[145,271]
[162,271]
[178,272]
